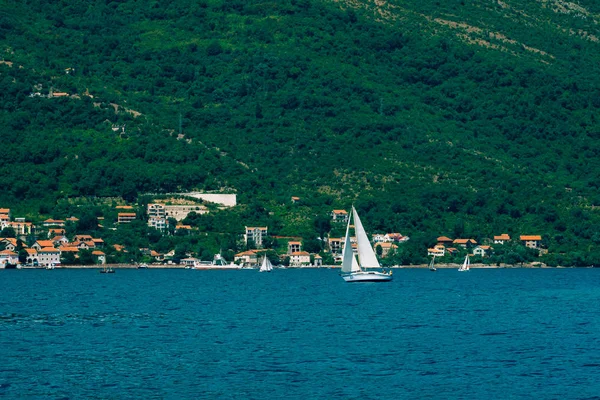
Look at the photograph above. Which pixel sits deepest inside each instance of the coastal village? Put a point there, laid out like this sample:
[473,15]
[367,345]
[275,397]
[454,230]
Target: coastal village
[47,245]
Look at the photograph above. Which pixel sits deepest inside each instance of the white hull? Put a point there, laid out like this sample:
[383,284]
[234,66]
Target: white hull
[232,266]
[462,270]
[367,276]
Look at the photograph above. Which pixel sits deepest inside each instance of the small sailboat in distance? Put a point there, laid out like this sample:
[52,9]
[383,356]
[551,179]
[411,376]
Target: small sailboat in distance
[431,266]
[266,265]
[466,264]
[106,270]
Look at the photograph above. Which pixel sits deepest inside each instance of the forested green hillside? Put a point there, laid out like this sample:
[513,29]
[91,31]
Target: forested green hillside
[468,118]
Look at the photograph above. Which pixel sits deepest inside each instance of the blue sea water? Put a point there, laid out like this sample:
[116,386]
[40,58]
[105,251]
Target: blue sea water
[300,334]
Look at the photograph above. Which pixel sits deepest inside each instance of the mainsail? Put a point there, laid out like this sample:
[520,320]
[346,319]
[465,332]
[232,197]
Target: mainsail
[366,255]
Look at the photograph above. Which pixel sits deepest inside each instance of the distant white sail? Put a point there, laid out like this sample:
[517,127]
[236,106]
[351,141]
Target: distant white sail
[266,265]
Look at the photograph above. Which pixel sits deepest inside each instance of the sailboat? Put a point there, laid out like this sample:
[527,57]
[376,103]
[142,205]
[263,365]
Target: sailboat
[466,264]
[354,270]
[431,267]
[106,270]
[266,265]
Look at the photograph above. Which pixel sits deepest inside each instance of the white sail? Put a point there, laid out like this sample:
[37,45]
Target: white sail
[266,265]
[366,255]
[349,263]
[466,264]
[431,267]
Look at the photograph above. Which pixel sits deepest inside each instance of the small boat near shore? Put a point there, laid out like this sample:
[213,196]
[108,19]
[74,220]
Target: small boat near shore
[107,270]
[431,266]
[266,265]
[466,264]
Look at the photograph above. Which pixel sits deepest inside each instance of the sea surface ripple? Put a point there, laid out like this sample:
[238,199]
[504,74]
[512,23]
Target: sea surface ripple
[299,334]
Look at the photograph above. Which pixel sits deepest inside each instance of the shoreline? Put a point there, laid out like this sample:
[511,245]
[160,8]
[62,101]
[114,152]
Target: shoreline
[206,268]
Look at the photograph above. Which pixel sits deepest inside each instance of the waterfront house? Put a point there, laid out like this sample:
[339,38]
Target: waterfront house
[31,256]
[48,256]
[501,239]
[318,260]
[531,241]
[246,257]
[339,216]
[255,235]
[8,257]
[300,258]
[188,262]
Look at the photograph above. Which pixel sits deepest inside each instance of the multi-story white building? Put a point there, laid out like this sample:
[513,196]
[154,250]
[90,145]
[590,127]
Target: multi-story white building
[255,234]
[294,246]
[158,223]
[48,256]
[156,211]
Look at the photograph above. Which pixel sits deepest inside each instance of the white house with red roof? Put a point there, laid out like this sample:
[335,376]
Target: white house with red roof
[48,256]
[53,222]
[339,216]
[531,241]
[501,239]
[300,258]
[8,257]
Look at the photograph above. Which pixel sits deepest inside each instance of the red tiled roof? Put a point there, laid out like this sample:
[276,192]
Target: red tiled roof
[531,237]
